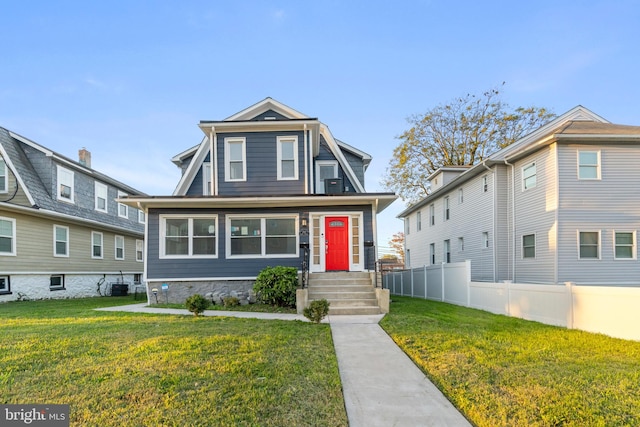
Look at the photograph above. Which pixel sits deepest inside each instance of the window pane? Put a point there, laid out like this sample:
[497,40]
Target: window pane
[204,245]
[287,150]
[588,252]
[624,238]
[246,246]
[589,238]
[281,245]
[288,168]
[177,227]
[5,244]
[176,246]
[236,170]
[281,226]
[588,172]
[235,151]
[6,228]
[624,252]
[588,158]
[61,248]
[61,234]
[245,227]
[204,227]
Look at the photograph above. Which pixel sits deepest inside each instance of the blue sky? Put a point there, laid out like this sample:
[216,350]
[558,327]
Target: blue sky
[130,80]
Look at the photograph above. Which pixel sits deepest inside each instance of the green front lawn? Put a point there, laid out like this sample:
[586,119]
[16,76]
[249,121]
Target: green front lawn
[502,371]
[127,369]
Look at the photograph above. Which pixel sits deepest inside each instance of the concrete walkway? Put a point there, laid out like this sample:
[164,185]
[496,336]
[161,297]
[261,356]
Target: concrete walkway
[381,384]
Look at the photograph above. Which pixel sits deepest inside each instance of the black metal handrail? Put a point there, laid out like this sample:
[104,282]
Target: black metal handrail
[305,264]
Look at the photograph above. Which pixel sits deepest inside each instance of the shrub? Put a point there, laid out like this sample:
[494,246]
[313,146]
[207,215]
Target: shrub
[231,302]
[197,304]
[317,310]
[277,286]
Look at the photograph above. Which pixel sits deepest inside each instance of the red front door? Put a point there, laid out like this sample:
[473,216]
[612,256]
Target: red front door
[336,238]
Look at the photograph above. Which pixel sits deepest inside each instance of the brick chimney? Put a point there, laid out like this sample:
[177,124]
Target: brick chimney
[84,157]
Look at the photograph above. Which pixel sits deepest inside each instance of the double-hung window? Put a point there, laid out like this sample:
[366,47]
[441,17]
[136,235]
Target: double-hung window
[529,246]
[141,217]
[325,169]
[101,196]
[446,208]
[60,241]
[235,159]
[97,245]
[588,164]
[589,244]
[529,176]
[625,245]
[206,179]
[139,250]
[3,177]
[119,245]
[267,236]
[432,215]
[447,251]
[287,158]
[485,184]
[188,236]
[123,210]
[7,236]
[418,221]
[432,253]
[65,184]
[460,196]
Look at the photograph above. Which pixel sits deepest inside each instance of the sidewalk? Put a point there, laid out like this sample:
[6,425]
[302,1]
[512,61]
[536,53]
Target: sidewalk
[381,385]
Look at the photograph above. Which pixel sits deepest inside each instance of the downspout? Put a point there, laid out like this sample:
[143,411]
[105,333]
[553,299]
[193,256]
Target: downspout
[213,159]
[145,262]
[493,219]
[311,165]
[513,219]
[306,163]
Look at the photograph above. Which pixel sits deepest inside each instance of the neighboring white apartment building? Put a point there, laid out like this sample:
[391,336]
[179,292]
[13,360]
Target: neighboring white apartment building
[560,205]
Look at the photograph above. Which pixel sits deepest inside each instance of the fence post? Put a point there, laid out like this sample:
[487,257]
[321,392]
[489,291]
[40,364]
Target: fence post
[569,287]
[425,281]
[442,279]
[411,273]
[402,284]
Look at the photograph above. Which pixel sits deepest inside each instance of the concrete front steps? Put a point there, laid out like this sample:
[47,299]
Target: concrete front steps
[347,292]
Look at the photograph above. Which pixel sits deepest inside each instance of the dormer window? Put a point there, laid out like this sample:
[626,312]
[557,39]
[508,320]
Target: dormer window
[235,155]
[65,184]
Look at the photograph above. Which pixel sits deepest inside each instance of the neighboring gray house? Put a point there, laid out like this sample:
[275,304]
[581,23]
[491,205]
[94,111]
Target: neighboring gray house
[61,230]
[260,186]
[560,205]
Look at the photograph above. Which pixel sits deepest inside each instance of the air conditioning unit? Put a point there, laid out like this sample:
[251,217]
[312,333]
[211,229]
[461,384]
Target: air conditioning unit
[333,186]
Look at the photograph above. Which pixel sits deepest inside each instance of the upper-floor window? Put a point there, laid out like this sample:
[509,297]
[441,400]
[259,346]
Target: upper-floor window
[235,159]
[141,217]
[407,225]
[460,244]
[485,239]
[407,258]
[97,244]
[432,214]
[288,157]
[325,169]
[188,236]
[7,236]
[625,245]
[139,250]
[60,241]
[123,210]
[419,221]
[446,208]
[529,176]
[588,164]
[206,179]
[460,196]
[119,245]
[262,236]
[589,244]
[485,184]
[65,185]
[529,246]
[101,197]
[3,177]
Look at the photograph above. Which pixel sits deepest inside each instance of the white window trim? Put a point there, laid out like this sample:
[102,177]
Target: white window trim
[320,183]
[14,237]
[115,247]
[105,188]
[280,141]
[446,205]
[93,244]
[62,282]
[190,218]
[3,173]
[122,205]
[432,214]
[598,165]
[534,176]
[7,281]
[599,244]
[485,184]
[419,221]
[634,250]
[460,196]
[535,246]
[60,173]
[142,217]
[206,176]
[139,250]
[68,242]
[446,251]
[227,159]
[460,244]
[485,240]
[432,254]
[263,235]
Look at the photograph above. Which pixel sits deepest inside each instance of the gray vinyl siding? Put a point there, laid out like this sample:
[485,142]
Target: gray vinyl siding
[467,220]
[607,205]
[535,211]
[221,267]
[356,165]
[504,224]
[261,166]
[269,113]
[34,248]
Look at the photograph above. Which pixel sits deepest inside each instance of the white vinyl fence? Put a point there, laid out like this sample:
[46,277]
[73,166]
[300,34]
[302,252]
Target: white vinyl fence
[611,310]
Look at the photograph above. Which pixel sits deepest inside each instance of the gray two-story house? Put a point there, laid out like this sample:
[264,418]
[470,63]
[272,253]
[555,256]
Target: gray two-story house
[562,204]
[62,233]
[262,186]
